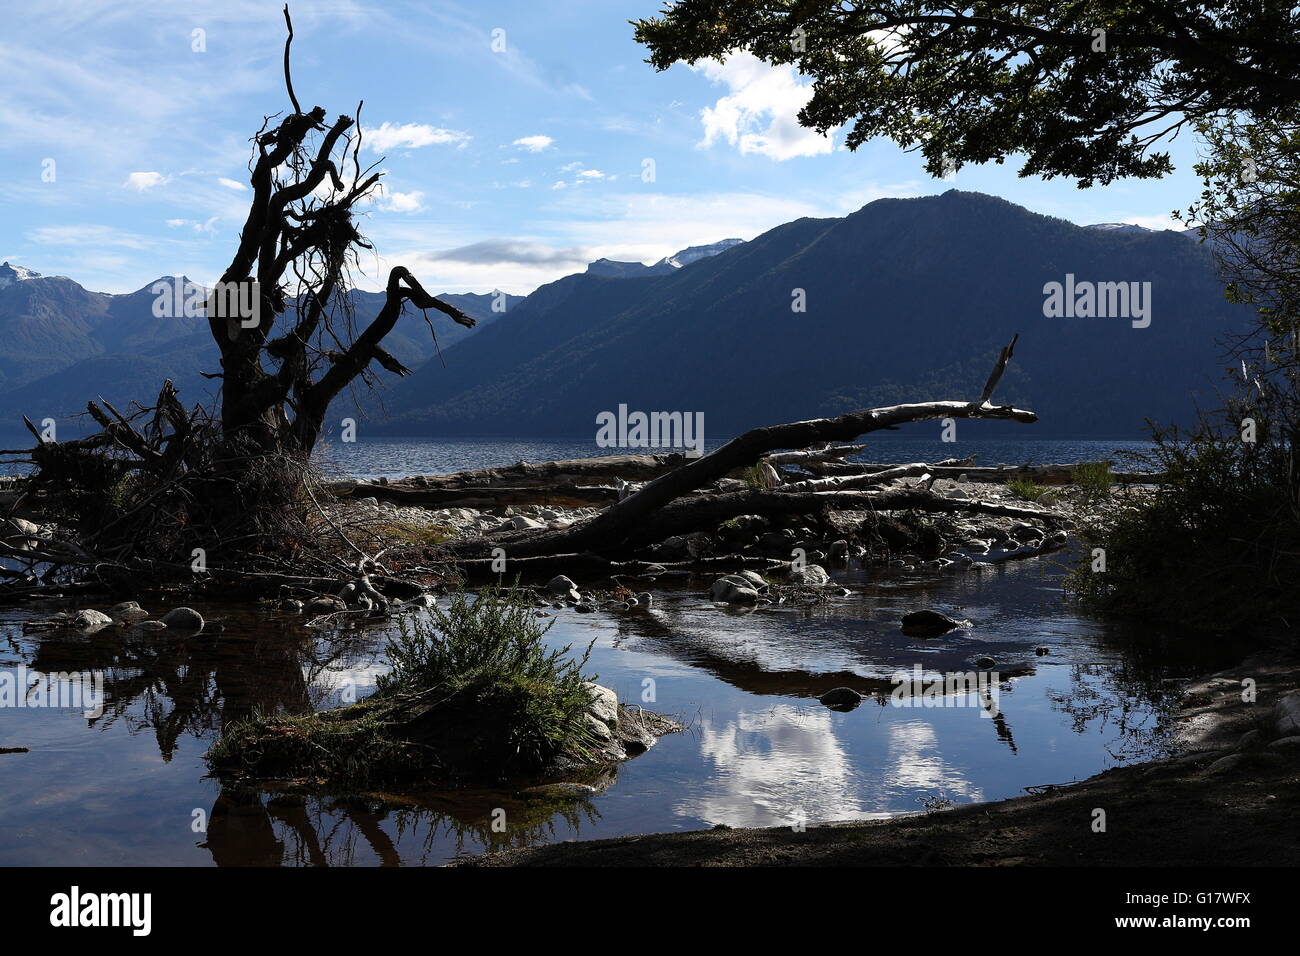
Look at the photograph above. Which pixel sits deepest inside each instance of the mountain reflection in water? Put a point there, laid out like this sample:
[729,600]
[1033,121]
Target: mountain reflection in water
[131,787]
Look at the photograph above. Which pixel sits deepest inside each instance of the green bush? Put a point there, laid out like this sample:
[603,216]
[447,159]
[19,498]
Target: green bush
[473,694]
[1215,545]
[1024,489]
[1093,479]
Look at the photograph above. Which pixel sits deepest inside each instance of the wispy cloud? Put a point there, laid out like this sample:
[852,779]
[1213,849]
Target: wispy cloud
[533,144]
[411,136]
[145,180]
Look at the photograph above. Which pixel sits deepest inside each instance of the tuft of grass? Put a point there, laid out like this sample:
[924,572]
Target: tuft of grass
[1093,479]
[1025,489]
[473,693]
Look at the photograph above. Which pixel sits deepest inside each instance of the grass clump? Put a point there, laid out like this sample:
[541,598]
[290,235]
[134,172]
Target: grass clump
[473,694]
[1024,489]
[1093,479]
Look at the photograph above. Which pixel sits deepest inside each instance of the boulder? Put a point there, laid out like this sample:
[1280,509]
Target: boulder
[1286,715]
[811,574]
[523,523]
[733,589]
[324,604]
[929,623]
[90,619]
[183,619]
[561,588]
[151,625]
[127,612]
[604,702]
[841,698]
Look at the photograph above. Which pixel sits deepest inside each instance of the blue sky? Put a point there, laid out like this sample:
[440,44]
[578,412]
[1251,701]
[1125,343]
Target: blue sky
[506,168]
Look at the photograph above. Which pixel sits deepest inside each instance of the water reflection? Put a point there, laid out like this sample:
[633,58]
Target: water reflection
[761,751]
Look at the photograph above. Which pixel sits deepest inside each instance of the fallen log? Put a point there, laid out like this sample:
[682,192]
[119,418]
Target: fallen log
[629,519]
[407,493]
[1060,474]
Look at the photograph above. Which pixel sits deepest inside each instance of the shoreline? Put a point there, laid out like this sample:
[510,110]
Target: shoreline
[1231,798]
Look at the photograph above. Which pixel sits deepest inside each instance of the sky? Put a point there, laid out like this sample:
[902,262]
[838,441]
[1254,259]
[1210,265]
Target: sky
[515,136]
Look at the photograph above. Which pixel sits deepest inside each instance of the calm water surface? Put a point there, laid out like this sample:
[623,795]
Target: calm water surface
[130,787]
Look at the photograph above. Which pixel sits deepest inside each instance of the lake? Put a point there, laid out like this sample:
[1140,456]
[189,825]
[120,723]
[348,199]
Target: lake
[129,787]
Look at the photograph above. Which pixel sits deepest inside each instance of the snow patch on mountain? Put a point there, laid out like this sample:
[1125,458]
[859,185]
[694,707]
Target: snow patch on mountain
[11,274]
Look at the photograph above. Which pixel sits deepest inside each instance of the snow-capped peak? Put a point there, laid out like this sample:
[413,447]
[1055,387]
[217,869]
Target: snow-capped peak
[695,253]
[11,274]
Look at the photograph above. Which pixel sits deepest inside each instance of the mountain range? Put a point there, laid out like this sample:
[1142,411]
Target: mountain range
[903,300]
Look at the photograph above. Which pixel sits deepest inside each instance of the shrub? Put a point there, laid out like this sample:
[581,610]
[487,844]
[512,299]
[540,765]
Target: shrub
[1216,545]
[1025,489]
[1093,479]
[473,693]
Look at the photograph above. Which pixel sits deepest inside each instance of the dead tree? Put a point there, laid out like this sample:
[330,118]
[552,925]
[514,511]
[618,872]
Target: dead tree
[283,366]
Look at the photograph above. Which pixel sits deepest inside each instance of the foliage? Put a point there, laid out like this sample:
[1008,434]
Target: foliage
[473,692]
[978,84]
[1216,546]
[1093,480]
[1024,489]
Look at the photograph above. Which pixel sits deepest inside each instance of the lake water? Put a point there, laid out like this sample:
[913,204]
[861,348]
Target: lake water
[130,787]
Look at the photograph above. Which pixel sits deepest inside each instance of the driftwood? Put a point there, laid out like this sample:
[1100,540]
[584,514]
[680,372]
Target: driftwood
[577,482]
[646,514]
[1062,474]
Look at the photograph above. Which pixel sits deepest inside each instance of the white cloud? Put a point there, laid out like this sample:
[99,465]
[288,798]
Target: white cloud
[145,180]
[404,202]
[534,144]
[760,114]
[592,174]
[87,235]
[411,136]
[231,183]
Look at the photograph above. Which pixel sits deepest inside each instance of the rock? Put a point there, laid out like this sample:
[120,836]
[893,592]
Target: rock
[325,604]
[929,623]
[1286,715]
[90,619]
[183,619]
[733,589]
[1249,739]
[422,600]
[598,728]
[151,626]
[841,698]
[1224,765]
[1290,745]
[523,523]
[604,702]
[127,612]
[561,588]
[371,503]
[644,601]
[755,580]
[984,662]
[292,605]
[1042,649]
[584,608]
[813,575]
